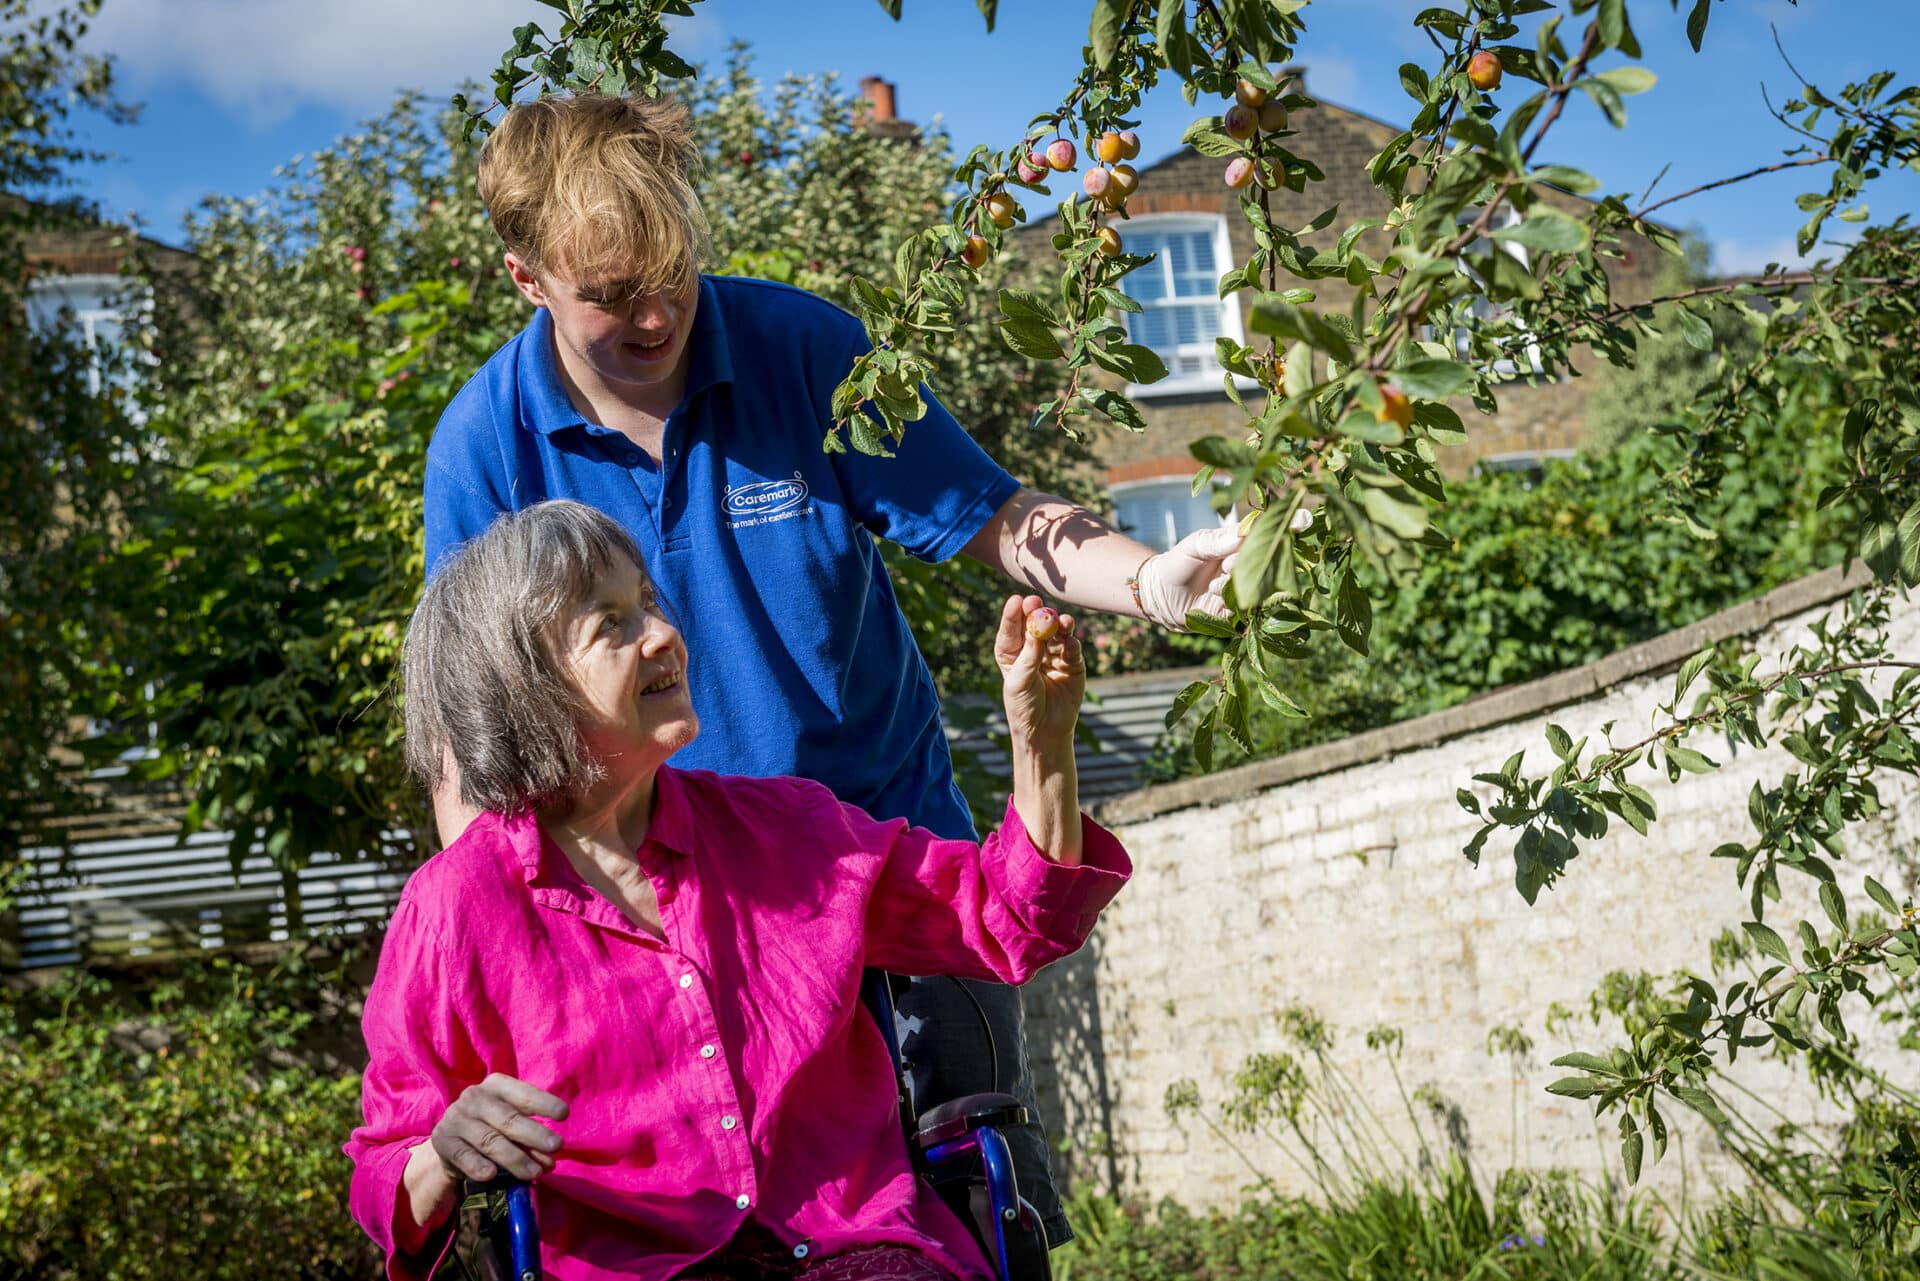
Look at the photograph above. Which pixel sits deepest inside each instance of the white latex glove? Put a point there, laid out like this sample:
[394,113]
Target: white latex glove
[1193,575]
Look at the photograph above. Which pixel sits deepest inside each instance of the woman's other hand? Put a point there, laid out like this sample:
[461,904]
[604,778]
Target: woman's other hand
[491,1128]
[1043,677]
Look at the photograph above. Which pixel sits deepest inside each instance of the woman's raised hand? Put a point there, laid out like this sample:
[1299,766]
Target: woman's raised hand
[490,1128]
[1042,679]
[1043,674]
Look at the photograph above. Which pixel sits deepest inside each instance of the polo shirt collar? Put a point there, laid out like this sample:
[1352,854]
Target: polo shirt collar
[544,403]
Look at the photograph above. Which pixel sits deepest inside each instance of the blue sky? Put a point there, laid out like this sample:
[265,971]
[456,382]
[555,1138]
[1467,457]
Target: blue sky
[233,88]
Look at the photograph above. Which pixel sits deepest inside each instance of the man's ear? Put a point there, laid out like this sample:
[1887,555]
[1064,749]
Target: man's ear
[525,281]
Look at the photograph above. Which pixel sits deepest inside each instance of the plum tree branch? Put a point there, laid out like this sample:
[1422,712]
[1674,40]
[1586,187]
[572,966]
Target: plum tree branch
[1645,210]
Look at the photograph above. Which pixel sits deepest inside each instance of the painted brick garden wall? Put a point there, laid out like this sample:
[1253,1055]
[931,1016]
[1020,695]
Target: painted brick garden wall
[1334,878]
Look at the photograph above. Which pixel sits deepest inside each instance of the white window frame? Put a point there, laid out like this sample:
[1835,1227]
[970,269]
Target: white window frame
[1209,378]
[132,305]
[1121,489]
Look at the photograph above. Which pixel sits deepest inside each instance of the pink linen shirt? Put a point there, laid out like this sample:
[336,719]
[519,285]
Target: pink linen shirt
[728,1073]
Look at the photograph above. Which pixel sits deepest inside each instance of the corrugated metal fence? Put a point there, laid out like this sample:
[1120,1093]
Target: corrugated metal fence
[133,887]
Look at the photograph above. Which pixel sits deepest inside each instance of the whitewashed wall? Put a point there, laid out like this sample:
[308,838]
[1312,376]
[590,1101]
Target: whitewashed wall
[1334,878]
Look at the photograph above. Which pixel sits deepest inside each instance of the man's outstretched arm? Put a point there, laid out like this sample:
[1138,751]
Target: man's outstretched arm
[1060,549]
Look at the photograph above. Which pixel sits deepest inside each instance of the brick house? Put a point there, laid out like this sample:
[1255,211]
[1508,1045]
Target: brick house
[1185,213]
[80,269]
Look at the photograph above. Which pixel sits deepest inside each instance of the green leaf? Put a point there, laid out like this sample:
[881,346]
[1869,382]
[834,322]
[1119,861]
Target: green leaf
[1769,942]
[1566,177]
[1631,1147]
[1184,700]
[1432,379]
[1880,548]
[1032,338]
[1627,80]
[1910,546]
[1207,137]
[1024,304]
[1688,670]
[1700,1101]
[1222,451]
[1607,99]
[1575,1087]
[1586,1063]
[1257,562]
[1694,329]
[1207,625]
[1147,365]
[1697,22]
[1878,893]
[1689,760]
[1409,520]
[1548,229]
[1115,406]
[1835,904]
[988,10]
[1109,16]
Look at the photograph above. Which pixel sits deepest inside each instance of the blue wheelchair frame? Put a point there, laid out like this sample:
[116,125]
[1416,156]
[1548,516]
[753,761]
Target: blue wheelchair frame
[944,1144]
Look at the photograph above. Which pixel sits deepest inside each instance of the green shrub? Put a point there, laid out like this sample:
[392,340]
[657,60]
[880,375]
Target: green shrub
[186,1132]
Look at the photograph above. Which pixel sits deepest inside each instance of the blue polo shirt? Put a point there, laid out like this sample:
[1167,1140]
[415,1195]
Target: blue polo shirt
[759,542]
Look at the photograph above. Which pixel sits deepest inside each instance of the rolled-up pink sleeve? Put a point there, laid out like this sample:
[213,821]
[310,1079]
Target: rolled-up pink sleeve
[418,1060]
[997,910]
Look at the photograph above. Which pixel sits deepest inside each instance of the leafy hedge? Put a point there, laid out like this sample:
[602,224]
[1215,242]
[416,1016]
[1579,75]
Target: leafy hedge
[192,1131]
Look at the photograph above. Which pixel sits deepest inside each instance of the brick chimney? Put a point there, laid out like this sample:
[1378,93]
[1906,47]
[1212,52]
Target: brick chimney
[879,95]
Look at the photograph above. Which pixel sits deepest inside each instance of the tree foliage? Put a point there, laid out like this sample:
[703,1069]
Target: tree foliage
[68,458]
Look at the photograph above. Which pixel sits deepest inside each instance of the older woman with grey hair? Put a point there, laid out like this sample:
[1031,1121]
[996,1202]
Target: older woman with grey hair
[640,985]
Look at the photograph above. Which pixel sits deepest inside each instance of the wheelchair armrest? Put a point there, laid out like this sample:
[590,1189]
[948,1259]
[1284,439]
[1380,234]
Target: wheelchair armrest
[964,1115]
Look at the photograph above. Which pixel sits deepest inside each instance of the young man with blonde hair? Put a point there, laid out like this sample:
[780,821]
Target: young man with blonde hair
[691,409]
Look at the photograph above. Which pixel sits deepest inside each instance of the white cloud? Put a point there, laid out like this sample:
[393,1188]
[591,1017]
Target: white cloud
[263,59]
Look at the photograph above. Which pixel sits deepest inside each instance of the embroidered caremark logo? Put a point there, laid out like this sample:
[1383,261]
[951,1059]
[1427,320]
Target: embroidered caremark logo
[761,500]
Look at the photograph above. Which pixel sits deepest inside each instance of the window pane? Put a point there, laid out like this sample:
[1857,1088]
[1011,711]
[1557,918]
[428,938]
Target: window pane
[1148,284]
[1161,513]
[1150,329]
[1189,325]
[1183,310]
